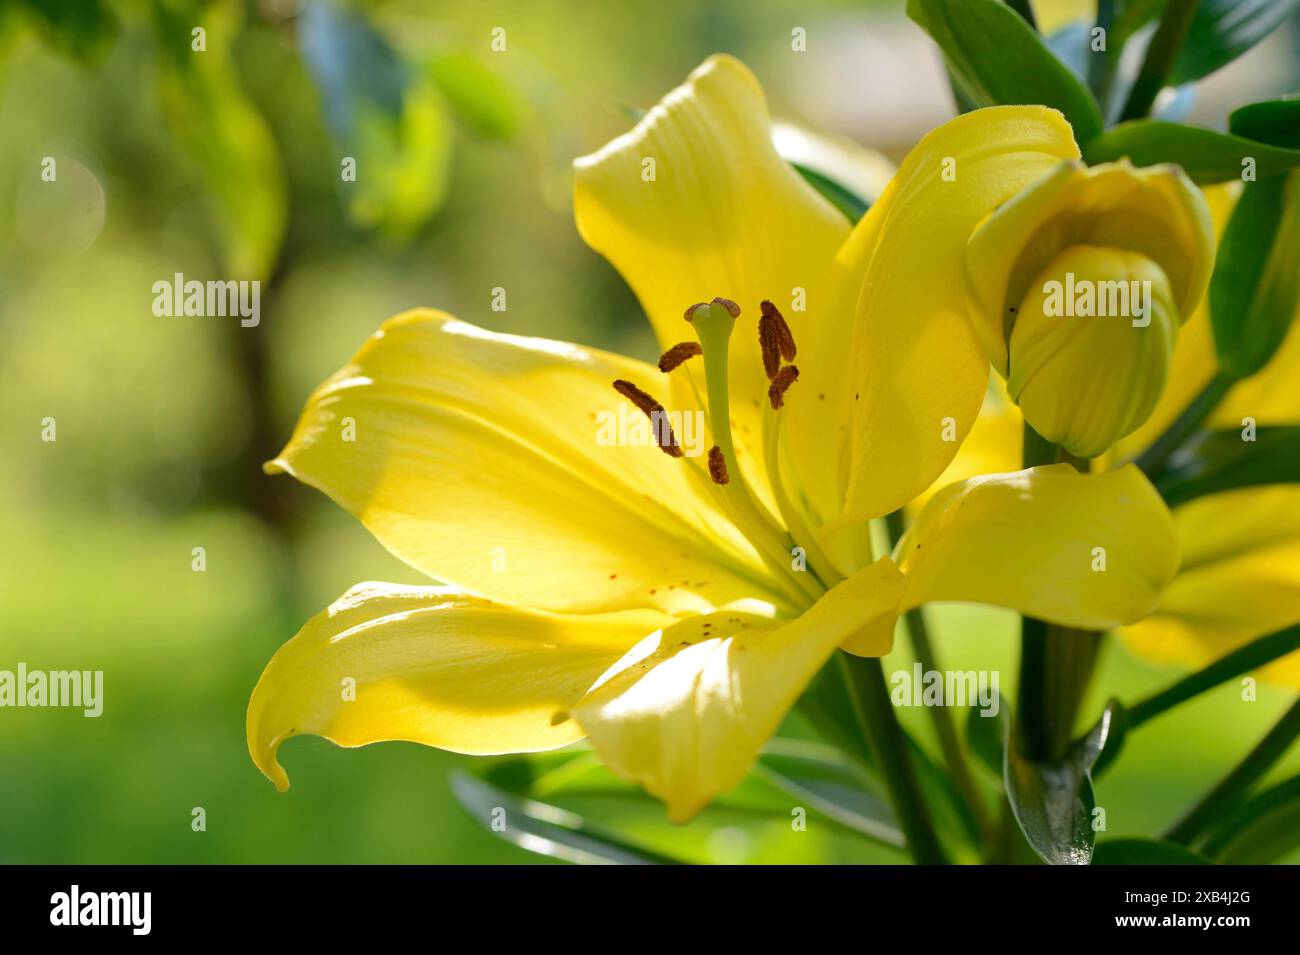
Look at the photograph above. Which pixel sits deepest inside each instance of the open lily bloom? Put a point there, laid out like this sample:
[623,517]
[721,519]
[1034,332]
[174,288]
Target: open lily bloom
[1239,576]
[671,607]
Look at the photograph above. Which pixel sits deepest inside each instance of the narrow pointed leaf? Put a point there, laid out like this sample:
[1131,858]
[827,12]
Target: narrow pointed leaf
[1223,30]
[1214,461]
[1255,290]
[987,736]
[1207,156]
[546,829]
[1275,121]
[1262,830]
[1053,803]
[1145,852]
[997,59]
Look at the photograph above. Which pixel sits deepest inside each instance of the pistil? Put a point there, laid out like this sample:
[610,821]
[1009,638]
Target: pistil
[714,323]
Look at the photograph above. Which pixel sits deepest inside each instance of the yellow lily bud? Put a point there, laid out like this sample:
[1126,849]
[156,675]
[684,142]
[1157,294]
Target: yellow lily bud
[1091,347]
[1077,288]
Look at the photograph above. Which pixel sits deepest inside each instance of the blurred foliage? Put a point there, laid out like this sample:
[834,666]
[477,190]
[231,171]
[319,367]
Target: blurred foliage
[227,162]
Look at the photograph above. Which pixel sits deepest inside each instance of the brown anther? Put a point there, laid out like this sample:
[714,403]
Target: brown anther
[784,338]
[690,310]
[659,425]
[786,377]
[768,346]
[732,308]
[718,466]
[678,354]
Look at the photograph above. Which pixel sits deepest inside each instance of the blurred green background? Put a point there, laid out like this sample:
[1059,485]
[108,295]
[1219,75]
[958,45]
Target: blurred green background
[227,164]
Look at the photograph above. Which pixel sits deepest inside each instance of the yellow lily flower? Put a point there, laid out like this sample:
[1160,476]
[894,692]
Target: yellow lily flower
[671,607]
[1239,577]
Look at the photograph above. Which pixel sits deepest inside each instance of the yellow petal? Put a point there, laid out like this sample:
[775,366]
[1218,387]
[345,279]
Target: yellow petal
[686,712]
[496,463]
[1271,396]
[1240,580]
[1092,551]
[431,666]
[994,445]
[723,215]
[919,373]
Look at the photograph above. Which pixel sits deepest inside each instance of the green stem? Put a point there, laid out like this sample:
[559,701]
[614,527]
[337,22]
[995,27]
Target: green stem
[949,741]
[1154,458]
[879,724]
[1250,657]
[1230,789]
[1056,663]
[1161,56]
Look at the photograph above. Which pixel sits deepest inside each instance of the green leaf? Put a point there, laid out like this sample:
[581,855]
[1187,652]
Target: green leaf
[825,704]
[953,819]
[1206,155]
[789,772]
[545,829]
[841,197]
[1262,830]
[1275,121]
[85,29]
[997,59]
[1223,30]
[1145,852]
[986,736]
[1255,289]
[224,136]
[480,97]
[1053,803]
[385,114]
[832,785]
[1214,461]
[1116,720]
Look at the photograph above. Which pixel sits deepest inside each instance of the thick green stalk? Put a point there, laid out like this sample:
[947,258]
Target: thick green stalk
[1161,56]
[1233,786]
[949,740]
[879,724]
[1056,663]
[1250,657]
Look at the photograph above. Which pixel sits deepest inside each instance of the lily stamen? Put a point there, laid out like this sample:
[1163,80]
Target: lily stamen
[660,427]
[780,329]
[718,466]
[768,346]
[786,377]
[678,354]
